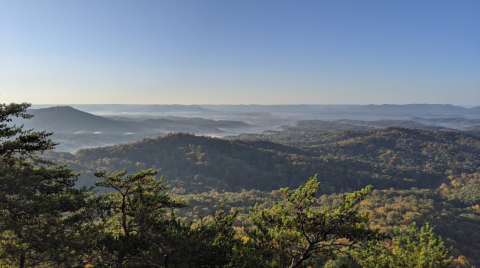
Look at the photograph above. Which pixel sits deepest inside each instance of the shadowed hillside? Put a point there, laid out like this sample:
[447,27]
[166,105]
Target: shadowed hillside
[392,157]
[75,129]
[62,119]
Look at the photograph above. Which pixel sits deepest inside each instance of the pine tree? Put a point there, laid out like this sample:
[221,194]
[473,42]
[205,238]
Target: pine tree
[413,248]
[294,232]
[134,223]
[40,210]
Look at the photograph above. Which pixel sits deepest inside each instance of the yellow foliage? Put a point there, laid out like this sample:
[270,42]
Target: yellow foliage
[461,261]
[342,241]
[456,183]
[366,203]
[245,239]
[381,210]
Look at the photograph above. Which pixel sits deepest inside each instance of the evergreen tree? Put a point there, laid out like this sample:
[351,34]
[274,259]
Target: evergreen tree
[133,217]
[139,227]
[40,210]
[415,248]
[295,232]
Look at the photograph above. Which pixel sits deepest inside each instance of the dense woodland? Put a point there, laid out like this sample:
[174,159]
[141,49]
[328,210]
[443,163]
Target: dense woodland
[243,202]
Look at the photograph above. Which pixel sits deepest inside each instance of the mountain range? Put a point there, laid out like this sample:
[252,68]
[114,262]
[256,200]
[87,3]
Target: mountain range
[66,119]
[423,110]
[390,157]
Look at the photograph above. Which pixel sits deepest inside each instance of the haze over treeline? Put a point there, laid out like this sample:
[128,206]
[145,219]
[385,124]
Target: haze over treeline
[83,126]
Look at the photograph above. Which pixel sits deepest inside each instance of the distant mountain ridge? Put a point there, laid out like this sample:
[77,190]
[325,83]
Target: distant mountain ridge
[398,110]
[66,119]
[75,129]
[383,109]
[414,109]
[134,108]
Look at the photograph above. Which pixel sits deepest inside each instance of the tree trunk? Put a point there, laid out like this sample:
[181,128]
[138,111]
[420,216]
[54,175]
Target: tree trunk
[166,260]
[22,260]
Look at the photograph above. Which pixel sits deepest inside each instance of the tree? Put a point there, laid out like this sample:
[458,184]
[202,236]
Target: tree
[136,206]
[209,243]
[40,210]
[421,249]
[139,227]
[295,231]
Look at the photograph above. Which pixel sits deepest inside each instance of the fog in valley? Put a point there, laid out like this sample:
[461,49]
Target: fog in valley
[85,126]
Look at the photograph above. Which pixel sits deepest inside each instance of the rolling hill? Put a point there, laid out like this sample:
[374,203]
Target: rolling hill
[65,119]
[392,157]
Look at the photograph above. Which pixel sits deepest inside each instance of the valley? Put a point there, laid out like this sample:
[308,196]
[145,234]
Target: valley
[424,170]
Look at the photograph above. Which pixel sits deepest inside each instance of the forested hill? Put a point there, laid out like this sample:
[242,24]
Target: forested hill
[309,132]
[65,119]
[421,176]
[75,129]
[203,161]
[132,108]
[391,157]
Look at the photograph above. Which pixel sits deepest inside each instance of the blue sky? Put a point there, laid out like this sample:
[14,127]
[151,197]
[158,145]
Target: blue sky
[240,52]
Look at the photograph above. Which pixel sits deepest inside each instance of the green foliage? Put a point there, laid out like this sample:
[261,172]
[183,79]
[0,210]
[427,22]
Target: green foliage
[139,222]
[296,232]
[130,214]
[392,157]
[422,249]
[469,194]
[40,211]
[455,221]
[139,227]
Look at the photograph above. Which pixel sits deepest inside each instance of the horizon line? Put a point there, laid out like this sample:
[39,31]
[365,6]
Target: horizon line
[256,104]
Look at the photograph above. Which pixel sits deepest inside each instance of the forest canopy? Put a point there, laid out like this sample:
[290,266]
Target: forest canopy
[139,220]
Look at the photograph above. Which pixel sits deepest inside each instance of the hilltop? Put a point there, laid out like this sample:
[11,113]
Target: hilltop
[66,119]
[392,157]
[75,129]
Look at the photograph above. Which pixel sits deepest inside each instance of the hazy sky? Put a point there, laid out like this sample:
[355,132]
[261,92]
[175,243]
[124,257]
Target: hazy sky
[240,52]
